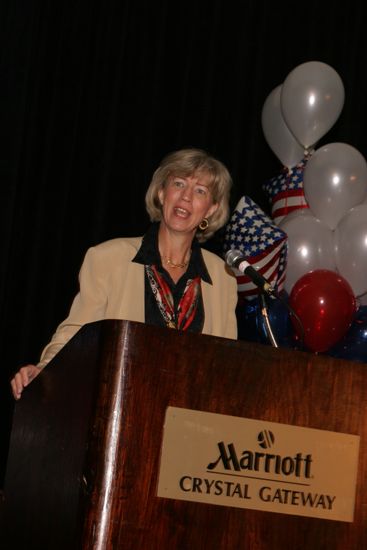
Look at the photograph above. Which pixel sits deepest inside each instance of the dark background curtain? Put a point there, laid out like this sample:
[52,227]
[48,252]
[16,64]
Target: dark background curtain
[94,94]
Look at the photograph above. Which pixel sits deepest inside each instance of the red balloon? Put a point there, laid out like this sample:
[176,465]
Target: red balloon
[325,303]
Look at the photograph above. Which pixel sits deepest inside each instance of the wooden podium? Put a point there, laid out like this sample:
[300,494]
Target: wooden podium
[86,441]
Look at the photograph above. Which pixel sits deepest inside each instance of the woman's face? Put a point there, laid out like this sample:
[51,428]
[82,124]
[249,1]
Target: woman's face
[186,201]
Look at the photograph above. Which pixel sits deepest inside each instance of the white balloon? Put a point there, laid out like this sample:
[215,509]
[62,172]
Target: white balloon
[335,180]
[351,248]
[310,246]
[312,98]
[277,134]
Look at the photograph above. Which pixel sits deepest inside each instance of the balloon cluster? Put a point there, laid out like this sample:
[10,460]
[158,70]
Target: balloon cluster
[320,201]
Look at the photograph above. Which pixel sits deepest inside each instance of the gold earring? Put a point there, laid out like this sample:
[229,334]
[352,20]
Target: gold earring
[204,224]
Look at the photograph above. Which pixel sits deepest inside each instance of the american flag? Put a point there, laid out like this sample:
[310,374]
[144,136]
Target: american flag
[285,191]
[263,244]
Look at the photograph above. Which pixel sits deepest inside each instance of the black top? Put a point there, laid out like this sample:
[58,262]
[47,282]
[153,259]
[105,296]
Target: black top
[148,254]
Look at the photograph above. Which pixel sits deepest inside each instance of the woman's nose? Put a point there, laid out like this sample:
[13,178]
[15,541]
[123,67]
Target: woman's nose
[187,194]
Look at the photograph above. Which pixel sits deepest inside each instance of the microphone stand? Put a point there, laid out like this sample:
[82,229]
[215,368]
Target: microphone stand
[236,261]
[292,313]
[264,313]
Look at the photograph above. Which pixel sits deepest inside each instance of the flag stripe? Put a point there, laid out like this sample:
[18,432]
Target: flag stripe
[280,213]
[286,192]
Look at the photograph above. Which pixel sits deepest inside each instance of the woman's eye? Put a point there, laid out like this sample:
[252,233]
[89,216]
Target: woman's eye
[201,190]
[178,183]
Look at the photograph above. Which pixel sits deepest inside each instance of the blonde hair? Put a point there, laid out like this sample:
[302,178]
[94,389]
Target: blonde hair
[187,162]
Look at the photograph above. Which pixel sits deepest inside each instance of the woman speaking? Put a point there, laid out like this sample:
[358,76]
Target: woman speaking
[163,278]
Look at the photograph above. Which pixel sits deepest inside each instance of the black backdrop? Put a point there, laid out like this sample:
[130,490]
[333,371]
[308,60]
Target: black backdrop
[94,93]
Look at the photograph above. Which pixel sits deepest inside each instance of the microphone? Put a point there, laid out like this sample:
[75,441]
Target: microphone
[234,258]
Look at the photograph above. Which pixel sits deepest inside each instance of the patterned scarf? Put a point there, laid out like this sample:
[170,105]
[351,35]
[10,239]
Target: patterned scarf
[188,303]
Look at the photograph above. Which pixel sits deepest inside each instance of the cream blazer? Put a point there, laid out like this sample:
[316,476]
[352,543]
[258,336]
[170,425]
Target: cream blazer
[112,287]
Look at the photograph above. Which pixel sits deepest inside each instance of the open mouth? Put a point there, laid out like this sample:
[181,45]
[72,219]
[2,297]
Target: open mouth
[181,212]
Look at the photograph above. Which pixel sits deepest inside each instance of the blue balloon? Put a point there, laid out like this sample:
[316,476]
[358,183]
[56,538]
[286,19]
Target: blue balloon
[354,344]
[252,326]
[247,314]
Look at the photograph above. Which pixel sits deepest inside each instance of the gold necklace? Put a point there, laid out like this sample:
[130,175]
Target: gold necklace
[172,264]
[182,265]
